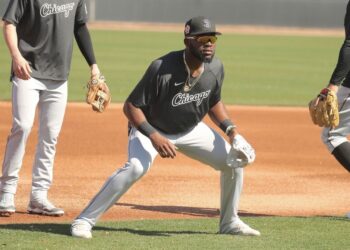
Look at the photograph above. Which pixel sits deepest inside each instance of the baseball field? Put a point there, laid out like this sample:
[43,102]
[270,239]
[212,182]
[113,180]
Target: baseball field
[295,193]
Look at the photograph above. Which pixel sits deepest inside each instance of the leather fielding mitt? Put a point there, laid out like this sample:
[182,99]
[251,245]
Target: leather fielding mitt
[324,109]
[241,153]
[98,94]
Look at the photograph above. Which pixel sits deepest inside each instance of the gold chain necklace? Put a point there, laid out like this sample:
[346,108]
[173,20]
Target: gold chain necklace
[188,84]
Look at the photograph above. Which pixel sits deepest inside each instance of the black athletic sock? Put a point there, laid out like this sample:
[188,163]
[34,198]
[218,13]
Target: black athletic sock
[342,154]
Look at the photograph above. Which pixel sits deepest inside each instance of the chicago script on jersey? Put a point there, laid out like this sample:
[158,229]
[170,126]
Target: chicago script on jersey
[184,98]
[50,9]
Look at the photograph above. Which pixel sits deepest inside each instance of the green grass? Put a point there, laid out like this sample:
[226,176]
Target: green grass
[277,233]
[259,70]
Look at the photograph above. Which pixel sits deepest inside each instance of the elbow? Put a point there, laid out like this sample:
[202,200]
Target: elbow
[126,108]
[7,26]
[78,27]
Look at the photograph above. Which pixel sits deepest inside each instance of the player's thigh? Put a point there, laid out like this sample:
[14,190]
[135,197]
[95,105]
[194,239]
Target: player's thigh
[25,98]
[205,145]
[52,104]
[344,112]
[141,152]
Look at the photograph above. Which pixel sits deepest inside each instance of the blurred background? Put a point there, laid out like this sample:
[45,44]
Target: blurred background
[288,13]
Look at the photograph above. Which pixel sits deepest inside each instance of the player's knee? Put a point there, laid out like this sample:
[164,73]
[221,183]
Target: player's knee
[137,169]
[324,138]
[50,133]
[22,128]
[332,140]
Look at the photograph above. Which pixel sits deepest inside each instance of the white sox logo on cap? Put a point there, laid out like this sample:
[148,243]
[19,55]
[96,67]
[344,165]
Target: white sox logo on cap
[200,26]
[206,23]
[187,29]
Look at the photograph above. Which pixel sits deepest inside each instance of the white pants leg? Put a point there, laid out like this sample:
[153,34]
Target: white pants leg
[141,154]
[201,143]
[332,138]
[51,107]
[26,95]
[206,145]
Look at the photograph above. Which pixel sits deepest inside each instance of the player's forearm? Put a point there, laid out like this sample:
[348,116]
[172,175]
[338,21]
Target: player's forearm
[138,119]
[218,113]
[20,67]
[11,39]
[220,117]
[134,114]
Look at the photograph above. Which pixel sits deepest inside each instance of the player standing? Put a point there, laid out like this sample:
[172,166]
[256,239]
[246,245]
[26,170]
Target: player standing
[39,35]
[165,110]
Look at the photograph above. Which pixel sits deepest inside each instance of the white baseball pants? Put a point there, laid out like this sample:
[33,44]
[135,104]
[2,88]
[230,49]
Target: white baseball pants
[201,143]
[51,98]
[332,138]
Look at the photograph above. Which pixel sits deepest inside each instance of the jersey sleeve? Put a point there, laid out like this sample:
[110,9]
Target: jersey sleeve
[81,16]
[82,36]
[343,66]
[342,69]
[146,90]
[15,11]
[347,22]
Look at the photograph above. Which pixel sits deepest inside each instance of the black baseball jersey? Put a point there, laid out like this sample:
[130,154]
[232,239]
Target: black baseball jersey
[45,33]
[160,93]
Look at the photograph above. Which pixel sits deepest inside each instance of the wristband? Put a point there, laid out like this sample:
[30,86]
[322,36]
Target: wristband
[227,125]
[146,129]
[229,129]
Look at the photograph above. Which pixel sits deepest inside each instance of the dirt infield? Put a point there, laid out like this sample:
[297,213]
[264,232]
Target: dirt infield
[293,173]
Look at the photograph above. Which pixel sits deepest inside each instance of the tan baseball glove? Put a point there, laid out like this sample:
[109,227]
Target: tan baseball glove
[324,109]
[98,94]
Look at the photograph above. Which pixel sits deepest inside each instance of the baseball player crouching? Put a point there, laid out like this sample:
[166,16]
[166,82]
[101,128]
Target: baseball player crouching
[165,111]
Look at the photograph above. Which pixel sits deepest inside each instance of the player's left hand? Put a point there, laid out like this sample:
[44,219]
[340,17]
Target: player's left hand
[232,135]
[164,147]
[95,70]
[21,68]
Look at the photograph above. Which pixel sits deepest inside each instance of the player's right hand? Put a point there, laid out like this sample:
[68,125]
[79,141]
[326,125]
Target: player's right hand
[164,147]
[21,68]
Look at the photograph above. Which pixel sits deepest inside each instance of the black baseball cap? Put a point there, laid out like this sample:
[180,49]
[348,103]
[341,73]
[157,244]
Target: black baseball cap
[200,25]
